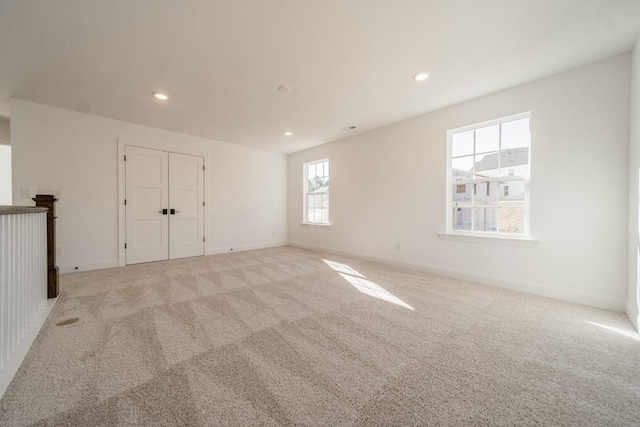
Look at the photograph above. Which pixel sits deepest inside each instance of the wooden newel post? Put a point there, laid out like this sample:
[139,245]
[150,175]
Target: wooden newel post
[49,201]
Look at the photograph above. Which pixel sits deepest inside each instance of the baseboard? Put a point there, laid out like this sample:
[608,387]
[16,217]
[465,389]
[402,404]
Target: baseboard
[75,268]
[527,287]
[14,362]
[634,316]
[216,251]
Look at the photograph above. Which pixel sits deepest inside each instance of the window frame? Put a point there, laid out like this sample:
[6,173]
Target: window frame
[305,182]
[504,179]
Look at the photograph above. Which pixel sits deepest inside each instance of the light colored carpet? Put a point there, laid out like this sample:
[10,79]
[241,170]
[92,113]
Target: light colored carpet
[281,337]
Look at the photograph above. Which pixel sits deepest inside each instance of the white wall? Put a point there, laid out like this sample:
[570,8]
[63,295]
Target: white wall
[634,191]
[388,187]
[56,149]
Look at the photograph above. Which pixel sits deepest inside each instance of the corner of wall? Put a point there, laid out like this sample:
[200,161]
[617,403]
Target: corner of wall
[632,313]
[633,292]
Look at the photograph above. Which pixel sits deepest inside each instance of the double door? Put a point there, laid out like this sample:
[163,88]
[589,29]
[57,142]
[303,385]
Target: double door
[164,205]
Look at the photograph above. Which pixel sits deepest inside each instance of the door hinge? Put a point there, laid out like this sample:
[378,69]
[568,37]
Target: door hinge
[125,202]
[203,239]
[203,203]
[125,157]
[125,246]
[202,167]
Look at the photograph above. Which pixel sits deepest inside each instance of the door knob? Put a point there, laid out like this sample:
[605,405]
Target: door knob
[163,211]
[173,211]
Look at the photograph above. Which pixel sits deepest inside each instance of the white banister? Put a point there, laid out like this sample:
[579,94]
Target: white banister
[23,285]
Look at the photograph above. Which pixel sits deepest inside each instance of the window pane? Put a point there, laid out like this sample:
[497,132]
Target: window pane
[461,168]
[486,165]
[485,219]
[516,134]
[486,194]
[314,184]
[512,206]
[461,194]
[488,139]
[509,159]
[462,143]
[325,184]
[512,217]
[325,215]
[511,191]
[461,219]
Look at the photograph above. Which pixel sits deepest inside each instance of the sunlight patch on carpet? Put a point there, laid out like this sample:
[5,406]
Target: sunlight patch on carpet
[629,334]
[342,268]
[365,286]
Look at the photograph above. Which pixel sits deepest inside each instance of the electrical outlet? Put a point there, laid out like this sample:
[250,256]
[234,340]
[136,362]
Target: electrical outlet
[25,193]
[58,250]
[398,246]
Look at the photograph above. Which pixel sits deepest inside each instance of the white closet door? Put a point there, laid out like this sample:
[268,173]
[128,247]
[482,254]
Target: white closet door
[147,194]
[186,195]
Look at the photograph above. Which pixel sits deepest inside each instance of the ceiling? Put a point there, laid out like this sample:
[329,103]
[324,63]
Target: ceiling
[347,62]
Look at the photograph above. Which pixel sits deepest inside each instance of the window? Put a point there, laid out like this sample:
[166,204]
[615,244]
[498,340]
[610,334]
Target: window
[316,192]
[495,156]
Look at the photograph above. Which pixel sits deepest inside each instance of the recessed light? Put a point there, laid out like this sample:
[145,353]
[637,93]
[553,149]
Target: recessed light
[288,133]
[284,89]
[420,76]
[159,95]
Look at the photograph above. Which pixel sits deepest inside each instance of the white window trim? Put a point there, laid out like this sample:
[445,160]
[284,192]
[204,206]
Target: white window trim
[305,180]
[481,237]
[489,236]
[319,225]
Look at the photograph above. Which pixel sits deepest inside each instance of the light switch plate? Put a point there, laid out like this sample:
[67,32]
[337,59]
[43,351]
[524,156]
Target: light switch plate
[25,193]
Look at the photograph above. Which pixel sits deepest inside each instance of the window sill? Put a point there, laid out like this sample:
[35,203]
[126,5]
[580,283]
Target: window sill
[316,225]
[521,242]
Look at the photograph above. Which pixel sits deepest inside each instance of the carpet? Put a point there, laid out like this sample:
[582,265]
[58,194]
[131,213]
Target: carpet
[286,336]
